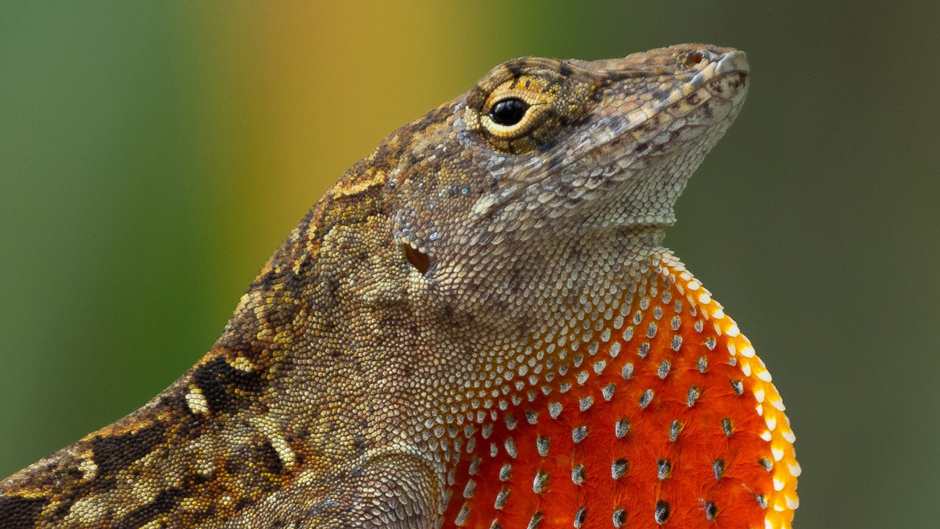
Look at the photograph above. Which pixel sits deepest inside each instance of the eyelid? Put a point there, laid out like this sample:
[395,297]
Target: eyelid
[537,102]
[531,98]
[531,117]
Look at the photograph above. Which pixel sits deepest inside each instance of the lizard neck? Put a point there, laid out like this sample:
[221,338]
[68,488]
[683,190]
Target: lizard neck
[535,305]
[518,286]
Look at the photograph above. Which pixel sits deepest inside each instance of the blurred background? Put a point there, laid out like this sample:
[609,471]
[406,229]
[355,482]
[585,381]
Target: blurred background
[153,154]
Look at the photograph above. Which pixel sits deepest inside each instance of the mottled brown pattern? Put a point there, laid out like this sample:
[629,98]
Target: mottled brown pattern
[365,357]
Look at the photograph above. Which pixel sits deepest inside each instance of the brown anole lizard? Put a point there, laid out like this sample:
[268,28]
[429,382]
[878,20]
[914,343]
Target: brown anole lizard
[477,326]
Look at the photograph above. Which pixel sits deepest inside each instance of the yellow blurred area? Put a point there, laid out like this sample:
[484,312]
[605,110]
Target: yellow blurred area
[296,92]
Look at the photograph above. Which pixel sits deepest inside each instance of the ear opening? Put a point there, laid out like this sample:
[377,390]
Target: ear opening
[419,260]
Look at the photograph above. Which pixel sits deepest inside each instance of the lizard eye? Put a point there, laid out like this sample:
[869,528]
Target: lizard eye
[508,111]
[518,115]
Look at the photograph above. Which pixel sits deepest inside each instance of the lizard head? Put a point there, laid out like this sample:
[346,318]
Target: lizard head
[542,146]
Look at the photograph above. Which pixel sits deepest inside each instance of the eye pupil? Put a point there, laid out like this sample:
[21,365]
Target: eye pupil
[509,111]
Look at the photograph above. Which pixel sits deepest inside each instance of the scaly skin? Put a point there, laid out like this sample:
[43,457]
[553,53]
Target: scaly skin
[477,326]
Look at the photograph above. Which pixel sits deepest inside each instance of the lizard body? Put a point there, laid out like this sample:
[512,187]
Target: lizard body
[477,326]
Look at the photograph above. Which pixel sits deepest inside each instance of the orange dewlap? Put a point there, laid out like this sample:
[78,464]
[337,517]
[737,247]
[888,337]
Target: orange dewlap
[671,422]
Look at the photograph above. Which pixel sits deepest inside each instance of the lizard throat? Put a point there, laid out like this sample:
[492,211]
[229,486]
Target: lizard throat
[655,409]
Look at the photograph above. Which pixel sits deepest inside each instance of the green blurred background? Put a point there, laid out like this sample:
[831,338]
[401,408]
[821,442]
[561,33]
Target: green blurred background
[153,154]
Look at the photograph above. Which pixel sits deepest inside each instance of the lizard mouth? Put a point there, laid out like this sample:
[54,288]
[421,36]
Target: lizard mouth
[712,68]
[724,79]
[634,167]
